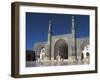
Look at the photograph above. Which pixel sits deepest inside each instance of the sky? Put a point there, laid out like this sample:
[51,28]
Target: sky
[37,26]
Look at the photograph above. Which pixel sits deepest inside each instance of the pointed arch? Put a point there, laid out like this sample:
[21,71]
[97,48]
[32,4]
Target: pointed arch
[61,48]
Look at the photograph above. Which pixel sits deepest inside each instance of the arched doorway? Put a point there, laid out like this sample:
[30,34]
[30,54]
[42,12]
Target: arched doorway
[61,49]
[42,54]
[87,54]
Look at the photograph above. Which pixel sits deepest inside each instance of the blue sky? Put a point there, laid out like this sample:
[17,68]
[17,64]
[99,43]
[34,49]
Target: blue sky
[37,26]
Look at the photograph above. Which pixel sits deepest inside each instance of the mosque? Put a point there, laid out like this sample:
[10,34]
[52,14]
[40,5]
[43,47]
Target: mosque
[65,46]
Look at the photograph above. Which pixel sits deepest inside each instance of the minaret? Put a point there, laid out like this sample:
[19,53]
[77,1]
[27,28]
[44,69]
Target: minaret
[74,53]
[49,39]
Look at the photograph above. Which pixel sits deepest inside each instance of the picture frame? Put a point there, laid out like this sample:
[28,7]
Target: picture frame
[22,12]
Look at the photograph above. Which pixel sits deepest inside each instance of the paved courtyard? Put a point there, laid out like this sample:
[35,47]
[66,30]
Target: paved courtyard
[55,63]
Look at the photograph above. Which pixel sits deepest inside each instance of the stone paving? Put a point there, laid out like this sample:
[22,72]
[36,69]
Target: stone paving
[55,63]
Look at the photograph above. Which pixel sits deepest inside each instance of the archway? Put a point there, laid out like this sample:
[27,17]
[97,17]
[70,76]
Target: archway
[87,54]
[61,49]
[42,53]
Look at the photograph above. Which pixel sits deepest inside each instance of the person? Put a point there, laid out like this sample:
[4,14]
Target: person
[58,58]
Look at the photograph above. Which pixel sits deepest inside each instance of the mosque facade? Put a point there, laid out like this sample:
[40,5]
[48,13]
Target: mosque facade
[67,46]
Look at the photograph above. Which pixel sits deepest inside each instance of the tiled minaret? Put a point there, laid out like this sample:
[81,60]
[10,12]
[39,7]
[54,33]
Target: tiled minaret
[74,53]
[49,40]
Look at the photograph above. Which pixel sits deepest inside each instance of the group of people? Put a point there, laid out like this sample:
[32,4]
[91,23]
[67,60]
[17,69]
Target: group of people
[59,58]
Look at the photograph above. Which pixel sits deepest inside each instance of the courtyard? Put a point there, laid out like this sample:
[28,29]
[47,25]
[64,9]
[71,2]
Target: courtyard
[65,62]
